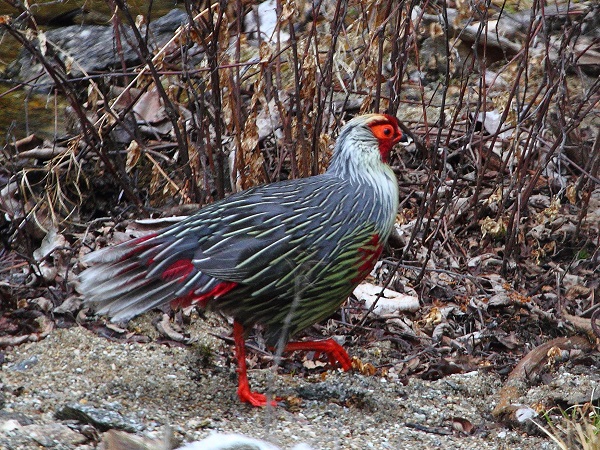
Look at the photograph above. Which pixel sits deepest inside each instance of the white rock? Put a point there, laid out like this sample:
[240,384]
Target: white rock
[234,442]
[391,302]
[9,425]
[267,22]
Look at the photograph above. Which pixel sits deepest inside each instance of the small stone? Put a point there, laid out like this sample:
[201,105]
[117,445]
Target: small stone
[9,425]
[103,419]
[24,365]
[52,435]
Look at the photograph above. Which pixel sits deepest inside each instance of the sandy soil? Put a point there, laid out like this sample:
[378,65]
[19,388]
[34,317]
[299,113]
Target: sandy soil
[144,388]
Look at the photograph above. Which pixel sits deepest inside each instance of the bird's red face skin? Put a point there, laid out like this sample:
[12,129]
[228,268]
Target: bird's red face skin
[388,134]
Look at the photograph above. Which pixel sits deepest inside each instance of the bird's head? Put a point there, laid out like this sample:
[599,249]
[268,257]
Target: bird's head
[366,141]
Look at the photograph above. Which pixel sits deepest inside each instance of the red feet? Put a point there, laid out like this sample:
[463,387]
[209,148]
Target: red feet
[244,393]
[334,351]
[254,398]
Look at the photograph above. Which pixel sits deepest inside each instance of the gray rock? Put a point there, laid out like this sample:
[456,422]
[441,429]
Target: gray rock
[54,435]
[90,49]
[24,364]
[21,419]
[103,419]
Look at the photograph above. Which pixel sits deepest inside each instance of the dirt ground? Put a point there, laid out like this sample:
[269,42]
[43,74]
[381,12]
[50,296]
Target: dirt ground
[145,388]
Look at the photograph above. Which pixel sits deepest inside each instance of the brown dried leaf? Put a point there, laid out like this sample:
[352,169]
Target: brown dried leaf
[510,341]
[289,9]
[149,108]
[463,425]
[51,242]
[134,151]
[364,369]
[495,228]
[165,327]
[43,303]
[577,291]
[252,172]
[28,143]
[572,194]
[389,303]
[313,364]
[69,306]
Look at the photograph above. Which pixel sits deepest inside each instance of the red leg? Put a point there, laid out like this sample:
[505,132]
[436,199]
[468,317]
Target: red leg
[244,392]
[335,352]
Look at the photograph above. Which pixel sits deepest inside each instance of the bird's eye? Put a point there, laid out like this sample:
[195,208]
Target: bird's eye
[385,131]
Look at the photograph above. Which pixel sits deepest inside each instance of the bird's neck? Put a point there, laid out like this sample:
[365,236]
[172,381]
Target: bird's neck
[385,191]
[373,178]
[362,166]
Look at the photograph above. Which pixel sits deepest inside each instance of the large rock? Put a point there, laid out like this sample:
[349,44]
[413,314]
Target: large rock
[78,50]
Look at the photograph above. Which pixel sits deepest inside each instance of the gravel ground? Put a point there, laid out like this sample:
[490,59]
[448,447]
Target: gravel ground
[147,388]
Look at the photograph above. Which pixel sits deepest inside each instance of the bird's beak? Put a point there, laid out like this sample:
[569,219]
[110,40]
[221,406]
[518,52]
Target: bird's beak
[403,140]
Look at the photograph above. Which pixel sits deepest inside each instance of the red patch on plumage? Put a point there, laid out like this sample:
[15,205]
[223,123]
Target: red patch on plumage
[369,254]
[179,269]
[192,299]
[138,246]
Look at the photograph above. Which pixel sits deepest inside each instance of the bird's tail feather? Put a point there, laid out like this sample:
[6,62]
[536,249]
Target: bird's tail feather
[131,278]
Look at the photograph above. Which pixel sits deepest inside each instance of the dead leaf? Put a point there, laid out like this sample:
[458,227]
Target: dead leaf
[313,364]
[577,291]
[134,151]
[165,327]
[149,108]
[50,243]
[495,228]
[463,425]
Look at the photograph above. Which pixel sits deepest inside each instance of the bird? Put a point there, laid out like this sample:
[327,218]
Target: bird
[284,255]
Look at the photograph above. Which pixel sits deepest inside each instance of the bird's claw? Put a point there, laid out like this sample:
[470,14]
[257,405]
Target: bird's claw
[254,398]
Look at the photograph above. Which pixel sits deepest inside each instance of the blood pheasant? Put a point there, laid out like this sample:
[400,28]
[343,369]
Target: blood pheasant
[285,255]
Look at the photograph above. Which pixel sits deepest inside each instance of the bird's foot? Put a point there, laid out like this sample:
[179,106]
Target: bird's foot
[334,351]
[254,398]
